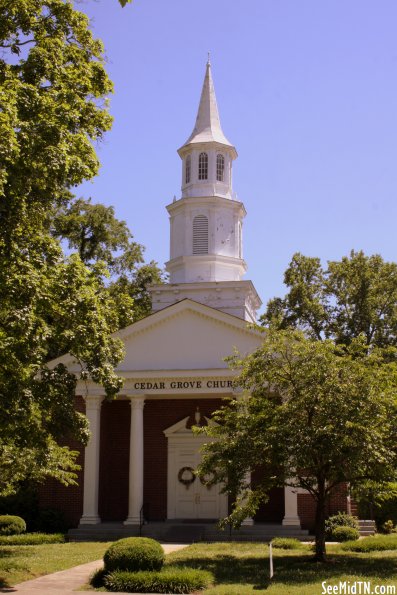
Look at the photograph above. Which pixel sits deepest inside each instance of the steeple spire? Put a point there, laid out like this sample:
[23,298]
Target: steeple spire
[208,126]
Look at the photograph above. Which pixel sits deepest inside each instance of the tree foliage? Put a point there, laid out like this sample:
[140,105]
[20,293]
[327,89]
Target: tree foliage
[53,107]
[353,296]
[320,414]
[98,236]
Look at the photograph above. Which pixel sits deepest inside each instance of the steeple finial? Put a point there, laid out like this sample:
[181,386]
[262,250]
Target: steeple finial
[208,61]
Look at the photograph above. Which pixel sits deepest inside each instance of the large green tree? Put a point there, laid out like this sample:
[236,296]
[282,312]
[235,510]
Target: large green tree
[312,415]
[53,107]
[353,296]
[98,236]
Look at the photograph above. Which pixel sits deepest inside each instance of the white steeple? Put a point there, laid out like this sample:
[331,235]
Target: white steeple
[211,173]
[206,255]
[208,126]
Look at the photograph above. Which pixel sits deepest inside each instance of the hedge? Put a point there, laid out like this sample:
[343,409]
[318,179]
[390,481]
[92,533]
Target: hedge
[344,534]
[31,539]
[372,544]
[168,580]
[287,543]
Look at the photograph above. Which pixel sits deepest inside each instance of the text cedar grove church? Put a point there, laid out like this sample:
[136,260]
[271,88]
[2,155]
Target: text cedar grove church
[183,385]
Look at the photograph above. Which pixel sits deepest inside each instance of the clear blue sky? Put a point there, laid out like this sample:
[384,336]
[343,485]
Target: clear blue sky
[307,92]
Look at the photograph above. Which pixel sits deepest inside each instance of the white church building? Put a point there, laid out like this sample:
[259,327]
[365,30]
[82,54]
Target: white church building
[142,448]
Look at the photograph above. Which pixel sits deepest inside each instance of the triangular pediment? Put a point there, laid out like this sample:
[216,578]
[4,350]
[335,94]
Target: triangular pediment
[184,336]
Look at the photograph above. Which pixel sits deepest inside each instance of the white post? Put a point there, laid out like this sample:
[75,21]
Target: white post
[91,462]
[291,517]
[135,493]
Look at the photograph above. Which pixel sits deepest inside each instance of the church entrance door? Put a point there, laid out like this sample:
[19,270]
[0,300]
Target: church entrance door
[193,500]
[187,497]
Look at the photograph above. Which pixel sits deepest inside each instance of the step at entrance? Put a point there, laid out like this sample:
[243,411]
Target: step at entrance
[184,534]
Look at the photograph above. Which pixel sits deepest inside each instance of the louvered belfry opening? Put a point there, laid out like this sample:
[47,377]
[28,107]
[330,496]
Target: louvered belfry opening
[200,235]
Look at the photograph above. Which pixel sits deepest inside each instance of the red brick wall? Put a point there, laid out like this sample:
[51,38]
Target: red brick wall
[69,500]
[114,465]
[158,416]
[114,460]
[307,506]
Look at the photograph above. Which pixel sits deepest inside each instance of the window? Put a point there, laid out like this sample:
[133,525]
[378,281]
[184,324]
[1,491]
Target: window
[220,167]
[200,235]
[203,166]
[187,169]
[240,240]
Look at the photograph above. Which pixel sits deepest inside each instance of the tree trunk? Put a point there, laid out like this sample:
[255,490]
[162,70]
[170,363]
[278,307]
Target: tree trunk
[319,527]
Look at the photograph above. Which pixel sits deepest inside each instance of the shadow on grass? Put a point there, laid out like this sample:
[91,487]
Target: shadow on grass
[6,552]
[289,570]
[8,563]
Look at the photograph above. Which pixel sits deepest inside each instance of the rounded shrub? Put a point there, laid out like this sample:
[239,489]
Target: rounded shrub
[344,534]
[342,519]
[11,525]
[133,554]
[388,527]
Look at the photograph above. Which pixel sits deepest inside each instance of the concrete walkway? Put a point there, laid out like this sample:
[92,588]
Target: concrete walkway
[67,581]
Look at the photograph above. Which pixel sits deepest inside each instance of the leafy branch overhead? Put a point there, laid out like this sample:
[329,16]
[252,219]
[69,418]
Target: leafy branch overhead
[54,107]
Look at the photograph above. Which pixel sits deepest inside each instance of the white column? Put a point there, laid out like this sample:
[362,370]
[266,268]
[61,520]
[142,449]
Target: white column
[248,521]
[91,462]
[291,517]
[135,493]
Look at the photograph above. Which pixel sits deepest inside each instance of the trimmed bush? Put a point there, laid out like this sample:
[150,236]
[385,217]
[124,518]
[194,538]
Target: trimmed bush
[168,580]
[31,539]
[388,527]
[11,525]
[133,554]
[287,543]
[339,520]
[372,544]
[344,534]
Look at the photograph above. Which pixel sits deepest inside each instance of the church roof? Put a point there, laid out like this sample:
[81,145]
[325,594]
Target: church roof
[208,126]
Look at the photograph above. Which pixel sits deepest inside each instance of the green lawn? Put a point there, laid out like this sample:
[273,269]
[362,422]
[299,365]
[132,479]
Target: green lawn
[23,562]
[238,568]
[242,568]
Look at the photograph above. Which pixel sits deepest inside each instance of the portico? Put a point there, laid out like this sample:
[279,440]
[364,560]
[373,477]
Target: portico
[154,400]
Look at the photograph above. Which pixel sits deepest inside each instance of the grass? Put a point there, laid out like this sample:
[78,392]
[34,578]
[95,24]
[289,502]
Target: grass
[20,563]
[243,568]
[238,568]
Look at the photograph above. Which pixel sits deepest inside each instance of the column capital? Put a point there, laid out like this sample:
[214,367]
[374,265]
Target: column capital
[137,402]
[93,402]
